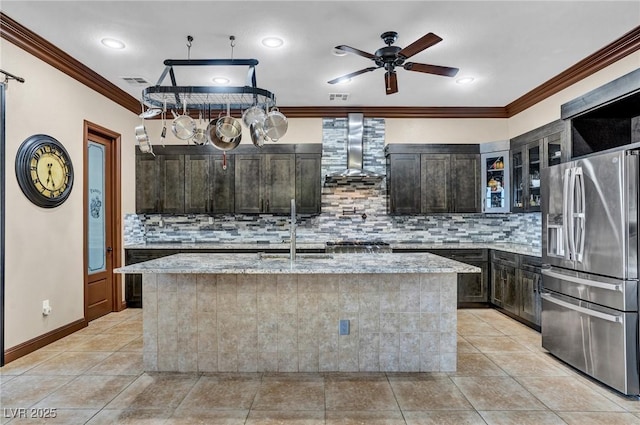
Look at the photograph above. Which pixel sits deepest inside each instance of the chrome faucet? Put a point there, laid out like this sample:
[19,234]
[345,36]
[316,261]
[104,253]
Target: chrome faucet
[292,233]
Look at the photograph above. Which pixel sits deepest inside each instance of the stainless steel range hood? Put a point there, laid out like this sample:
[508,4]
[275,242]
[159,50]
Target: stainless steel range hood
[354,170]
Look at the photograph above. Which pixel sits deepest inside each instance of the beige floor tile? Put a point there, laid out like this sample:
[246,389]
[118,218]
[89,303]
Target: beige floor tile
[495,344]
[61,416]
[127,327]
[527,364]
[428,394]
[65,343]
[478,328]
[599,418]
[87,391]
[532,341]
[304,393]
[476,364]
[154,391]
[496,393]
[135,346]
[21,365]
[207,416]
[522,418]
[97,327]
[68,363]
[465,346]
[301,417]
[359,393]
[131,417]
[105,342]
[25,391]
[119,363]
[220,393]
[455,417]
[380,417]
[566,393]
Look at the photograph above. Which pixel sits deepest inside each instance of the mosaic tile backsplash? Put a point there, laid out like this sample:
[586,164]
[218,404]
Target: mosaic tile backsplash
[357,210]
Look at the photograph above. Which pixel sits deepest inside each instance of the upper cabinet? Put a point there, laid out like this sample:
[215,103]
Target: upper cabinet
[530,153]
[425,179]
[200,179]
[495,182]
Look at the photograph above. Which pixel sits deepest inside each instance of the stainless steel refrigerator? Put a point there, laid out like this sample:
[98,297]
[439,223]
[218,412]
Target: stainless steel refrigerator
[590,266]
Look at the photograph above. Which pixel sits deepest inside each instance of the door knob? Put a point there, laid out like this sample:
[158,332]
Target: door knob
[109,249]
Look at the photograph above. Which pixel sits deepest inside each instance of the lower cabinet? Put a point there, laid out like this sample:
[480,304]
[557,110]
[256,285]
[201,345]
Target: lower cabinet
[133,282]
[515,286]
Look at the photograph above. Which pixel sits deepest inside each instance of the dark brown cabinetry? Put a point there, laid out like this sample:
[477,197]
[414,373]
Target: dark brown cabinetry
[199,179]
[133,282]
[473,288]
[448,177]
[208,186]
[530,153]
[160,183]
[515,286]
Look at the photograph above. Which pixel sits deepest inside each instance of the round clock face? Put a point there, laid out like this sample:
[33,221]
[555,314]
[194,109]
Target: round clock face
[44,171]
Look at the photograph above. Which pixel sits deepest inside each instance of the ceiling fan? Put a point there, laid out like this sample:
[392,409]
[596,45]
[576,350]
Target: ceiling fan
[389,57]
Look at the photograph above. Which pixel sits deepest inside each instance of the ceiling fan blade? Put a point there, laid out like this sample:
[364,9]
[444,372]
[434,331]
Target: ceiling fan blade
[356,51]
[431,69]
[353,74]
[419,45]
[391,82]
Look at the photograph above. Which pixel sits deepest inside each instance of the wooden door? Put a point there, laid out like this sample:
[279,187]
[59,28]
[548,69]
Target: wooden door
[222,186]
[308,183]
[147,167]
[435,179]
[249,184]
[99,235]
[196,184]
[280,187]
[404,183]
[465,183]
[171,177]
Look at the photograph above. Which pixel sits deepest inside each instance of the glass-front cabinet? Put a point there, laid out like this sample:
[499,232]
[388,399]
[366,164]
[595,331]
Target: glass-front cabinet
[525,190]
[495,182]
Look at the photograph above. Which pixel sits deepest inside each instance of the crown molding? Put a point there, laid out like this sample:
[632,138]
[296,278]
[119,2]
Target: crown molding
[629,43]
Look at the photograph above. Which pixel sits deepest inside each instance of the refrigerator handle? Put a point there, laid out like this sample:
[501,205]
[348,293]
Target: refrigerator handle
[566,213]
[579,213]
[581,281]
[583,310]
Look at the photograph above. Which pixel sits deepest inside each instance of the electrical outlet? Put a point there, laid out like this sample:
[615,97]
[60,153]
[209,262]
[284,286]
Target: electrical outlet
[344,327]
[210,220]
[46,308]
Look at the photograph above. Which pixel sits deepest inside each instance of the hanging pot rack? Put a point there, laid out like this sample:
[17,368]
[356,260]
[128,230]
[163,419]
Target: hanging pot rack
[207,97]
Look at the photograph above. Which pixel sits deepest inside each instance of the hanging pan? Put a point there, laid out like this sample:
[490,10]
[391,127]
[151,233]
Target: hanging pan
[200,135]
[183,127]
[228,128]
[275,125]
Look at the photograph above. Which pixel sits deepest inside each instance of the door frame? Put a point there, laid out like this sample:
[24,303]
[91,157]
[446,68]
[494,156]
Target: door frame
[2,216]
[116,225]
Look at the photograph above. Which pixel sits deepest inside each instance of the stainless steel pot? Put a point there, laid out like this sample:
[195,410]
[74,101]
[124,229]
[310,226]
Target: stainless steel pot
[221,143]
[183,127]
[257,134]
[253,114]
[275,125]
[143,140]
[200,135]
[228,128]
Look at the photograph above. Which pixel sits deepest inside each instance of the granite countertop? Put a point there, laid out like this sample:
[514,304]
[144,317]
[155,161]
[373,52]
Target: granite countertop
[507,247]
[305,264]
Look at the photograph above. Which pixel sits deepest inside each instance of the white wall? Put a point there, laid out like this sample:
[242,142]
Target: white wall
[44,247]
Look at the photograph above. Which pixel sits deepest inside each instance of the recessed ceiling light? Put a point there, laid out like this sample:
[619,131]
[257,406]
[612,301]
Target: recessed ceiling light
[220,80]
[339,52]
[344,81]
[112,43]
[465,80]
[273,42]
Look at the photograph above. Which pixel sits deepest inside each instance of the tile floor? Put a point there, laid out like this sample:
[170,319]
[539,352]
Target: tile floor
[504,377]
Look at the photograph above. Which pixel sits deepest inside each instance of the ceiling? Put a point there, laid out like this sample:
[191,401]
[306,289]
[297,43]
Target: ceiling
[509,47]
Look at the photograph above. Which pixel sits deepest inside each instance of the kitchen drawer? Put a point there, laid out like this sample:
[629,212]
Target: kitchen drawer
[506,258]
[462,255]
[134,256]
[532,264]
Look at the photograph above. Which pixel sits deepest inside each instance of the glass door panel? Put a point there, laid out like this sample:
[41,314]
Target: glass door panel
[534,178]
[495,179]
[554,149]
[517,197]
[97,228]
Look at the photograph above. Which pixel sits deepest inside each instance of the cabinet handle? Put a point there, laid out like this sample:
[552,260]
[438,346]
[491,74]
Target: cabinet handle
[267,205]
[261,205]
[210,205]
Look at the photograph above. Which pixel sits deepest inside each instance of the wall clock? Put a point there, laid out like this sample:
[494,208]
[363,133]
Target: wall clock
[44,171]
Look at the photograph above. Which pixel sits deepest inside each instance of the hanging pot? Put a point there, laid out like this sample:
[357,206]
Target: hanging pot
[218,142]
[228,128]
[257,134]
[200,135]
[253,114]
[183,127]
[150,113]
[143,140]
[275,125]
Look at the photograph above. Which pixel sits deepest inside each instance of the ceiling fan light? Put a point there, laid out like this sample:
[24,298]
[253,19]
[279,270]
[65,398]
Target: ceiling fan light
[220,80]
[272,42]
[465,80]
[112,43]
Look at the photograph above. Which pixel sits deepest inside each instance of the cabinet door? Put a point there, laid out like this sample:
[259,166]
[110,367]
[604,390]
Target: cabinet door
[171,176]
[435,176]
[465,183]
[530,304]
[196,184]
[221,184]
[534,154]
[518,189]
[552,149]
[280,179]
[404,183]
[308,183]
[147,167]
[498,278]
[511,291]
[474,287]
[249,184]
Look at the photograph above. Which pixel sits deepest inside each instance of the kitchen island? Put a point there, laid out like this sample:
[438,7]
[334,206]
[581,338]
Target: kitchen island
[323,312]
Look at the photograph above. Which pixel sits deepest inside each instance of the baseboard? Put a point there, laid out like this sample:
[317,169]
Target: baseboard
[32,345]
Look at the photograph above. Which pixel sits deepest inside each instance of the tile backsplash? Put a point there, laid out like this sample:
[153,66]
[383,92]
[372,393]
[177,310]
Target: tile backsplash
[357,210]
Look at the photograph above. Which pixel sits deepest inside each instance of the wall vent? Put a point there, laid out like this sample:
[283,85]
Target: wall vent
[136,81]
[338,96]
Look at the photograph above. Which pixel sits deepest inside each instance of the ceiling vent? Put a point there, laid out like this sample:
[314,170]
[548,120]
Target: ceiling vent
[136,81]
[338,96]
